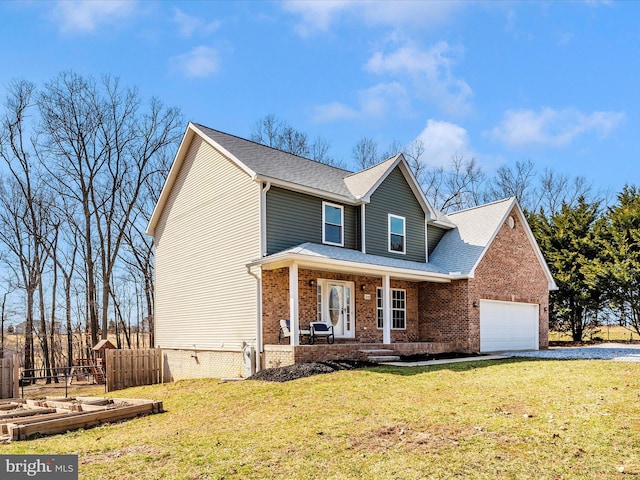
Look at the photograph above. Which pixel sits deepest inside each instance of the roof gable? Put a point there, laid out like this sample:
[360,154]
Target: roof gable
[462,249]
[363,184]
[293,172]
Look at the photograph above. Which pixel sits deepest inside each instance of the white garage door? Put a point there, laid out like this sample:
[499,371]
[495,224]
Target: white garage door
[508,326]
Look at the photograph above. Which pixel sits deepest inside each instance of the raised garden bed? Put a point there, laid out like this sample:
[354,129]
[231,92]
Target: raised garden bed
[21,419]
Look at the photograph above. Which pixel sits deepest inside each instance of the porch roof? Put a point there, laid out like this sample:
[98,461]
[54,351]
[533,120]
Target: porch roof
[325,257]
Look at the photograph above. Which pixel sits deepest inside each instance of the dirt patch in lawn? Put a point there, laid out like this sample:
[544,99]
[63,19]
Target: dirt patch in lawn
[433,439]
[110,455]
[302,370]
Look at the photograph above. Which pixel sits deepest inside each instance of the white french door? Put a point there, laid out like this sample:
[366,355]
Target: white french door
[337,307]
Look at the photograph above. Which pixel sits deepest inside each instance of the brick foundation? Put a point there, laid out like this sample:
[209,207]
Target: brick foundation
[283,355]
[184,364]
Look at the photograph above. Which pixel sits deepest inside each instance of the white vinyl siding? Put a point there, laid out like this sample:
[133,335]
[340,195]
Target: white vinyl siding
[209,230]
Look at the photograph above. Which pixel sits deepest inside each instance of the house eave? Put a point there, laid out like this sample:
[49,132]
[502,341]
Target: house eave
[344,266]
[276,182]
[443,224]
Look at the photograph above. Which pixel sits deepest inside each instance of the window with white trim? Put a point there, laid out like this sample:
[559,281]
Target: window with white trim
[397,234]
[332,224]
[398,308]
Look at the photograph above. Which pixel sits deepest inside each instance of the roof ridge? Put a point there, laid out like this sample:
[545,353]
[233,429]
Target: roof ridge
[495,202]
[273,148]
[376,165]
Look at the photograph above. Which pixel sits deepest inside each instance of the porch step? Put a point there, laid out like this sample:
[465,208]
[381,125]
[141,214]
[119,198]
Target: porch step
[379,355]
[384,358]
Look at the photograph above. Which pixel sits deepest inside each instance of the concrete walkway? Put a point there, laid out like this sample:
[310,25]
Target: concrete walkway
[442,361]
[617,352]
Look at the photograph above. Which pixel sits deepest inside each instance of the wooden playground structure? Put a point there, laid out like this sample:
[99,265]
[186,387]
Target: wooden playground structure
[92,368]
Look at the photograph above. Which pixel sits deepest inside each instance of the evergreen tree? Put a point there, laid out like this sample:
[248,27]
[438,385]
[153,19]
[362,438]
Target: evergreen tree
[621,249]
[568,240]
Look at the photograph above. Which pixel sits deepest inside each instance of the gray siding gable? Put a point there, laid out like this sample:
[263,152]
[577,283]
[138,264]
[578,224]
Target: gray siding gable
[434,235]
[395,196]
[293,218]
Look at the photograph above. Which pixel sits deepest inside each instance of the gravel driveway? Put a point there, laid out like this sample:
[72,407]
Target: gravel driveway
[618,352]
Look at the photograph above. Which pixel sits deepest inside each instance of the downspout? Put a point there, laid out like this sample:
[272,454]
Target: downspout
[426,237]
[258,316]
[263,252]
[263,218]
[363,226]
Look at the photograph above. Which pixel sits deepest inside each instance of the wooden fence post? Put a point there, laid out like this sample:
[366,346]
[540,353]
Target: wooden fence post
[16,376]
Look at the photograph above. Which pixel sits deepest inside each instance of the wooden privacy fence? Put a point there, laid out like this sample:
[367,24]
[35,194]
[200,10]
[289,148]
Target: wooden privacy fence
[9,377]
[132,368]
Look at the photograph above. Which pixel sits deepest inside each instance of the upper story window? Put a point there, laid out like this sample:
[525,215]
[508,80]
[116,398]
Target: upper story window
[397,234]
[332,224]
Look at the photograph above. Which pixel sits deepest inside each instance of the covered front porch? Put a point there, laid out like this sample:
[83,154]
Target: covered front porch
[369,306]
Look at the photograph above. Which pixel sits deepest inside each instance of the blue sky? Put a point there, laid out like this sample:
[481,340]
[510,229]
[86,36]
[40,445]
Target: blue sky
[555,83]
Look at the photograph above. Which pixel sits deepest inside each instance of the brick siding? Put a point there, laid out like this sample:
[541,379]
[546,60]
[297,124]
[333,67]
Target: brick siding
[509,271]
[275,304]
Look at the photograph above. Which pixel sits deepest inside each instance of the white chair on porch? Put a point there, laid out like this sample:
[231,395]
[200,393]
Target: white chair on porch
[285,331]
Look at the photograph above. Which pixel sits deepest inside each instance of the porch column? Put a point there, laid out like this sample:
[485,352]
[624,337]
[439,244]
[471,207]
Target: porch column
[293,303]
[386,309]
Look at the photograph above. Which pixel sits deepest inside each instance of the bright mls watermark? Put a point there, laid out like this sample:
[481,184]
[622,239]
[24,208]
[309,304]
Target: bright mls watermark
[46,467]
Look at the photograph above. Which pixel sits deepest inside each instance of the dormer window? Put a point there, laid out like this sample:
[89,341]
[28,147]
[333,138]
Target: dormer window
[397,234]
[332,224]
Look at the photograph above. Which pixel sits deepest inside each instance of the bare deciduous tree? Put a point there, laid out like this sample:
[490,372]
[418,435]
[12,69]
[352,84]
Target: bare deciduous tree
[365,152]
[101,145]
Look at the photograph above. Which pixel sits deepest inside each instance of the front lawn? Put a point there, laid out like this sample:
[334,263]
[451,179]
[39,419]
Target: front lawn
[485,419]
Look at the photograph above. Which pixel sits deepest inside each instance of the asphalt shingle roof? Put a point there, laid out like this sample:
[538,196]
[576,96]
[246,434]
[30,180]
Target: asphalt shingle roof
[274,163]
[317,251]
[460,249]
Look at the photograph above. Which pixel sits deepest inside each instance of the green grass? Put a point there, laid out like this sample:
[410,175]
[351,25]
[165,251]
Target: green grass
[613,333]
[483,420]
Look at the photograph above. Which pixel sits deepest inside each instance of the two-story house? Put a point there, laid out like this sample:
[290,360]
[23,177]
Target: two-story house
[246,235]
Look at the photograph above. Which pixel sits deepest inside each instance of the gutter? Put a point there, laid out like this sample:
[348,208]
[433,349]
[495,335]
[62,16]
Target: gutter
[305,260]
[309,190]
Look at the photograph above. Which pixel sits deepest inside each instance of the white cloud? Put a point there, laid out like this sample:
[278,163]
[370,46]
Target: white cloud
[549,127]
[200,62]
[431,72]
[442,140]
[189,25]
[315,16]
[335,111]
[81,16]
[375,102]
[319,16]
